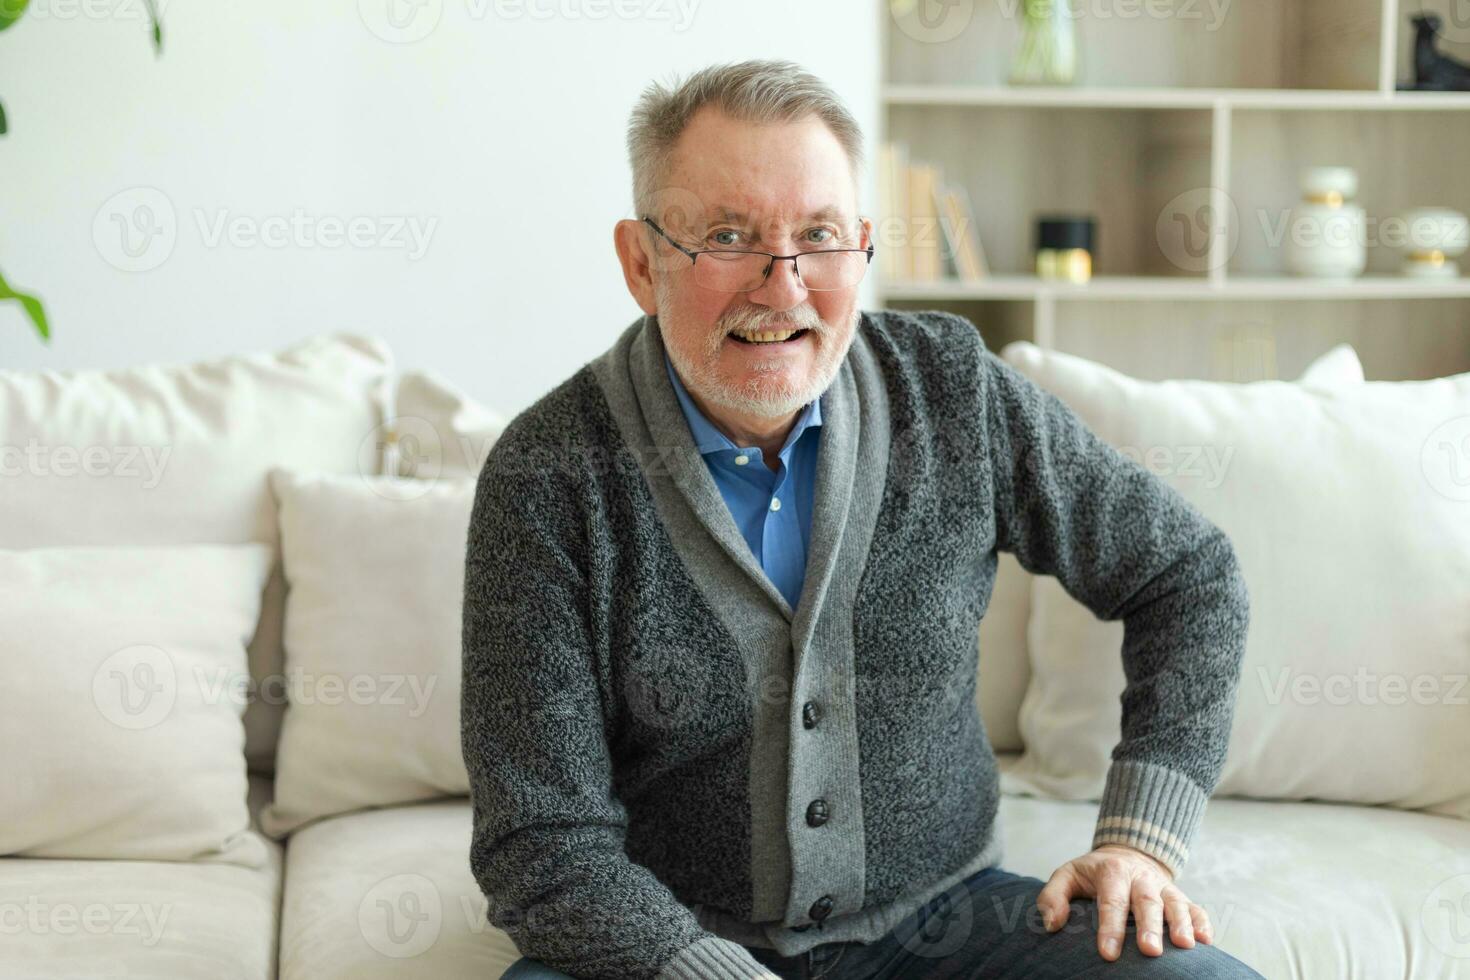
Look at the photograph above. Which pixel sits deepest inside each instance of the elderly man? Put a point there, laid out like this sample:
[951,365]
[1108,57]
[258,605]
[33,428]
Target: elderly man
[722,591]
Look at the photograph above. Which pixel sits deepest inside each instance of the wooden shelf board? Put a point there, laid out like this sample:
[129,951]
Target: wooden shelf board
[1170,98]
[1003,287]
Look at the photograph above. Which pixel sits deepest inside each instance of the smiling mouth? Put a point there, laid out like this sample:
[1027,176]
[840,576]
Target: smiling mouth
[757,338]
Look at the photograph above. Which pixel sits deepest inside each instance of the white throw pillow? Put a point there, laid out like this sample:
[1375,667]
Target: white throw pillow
[438,430]
[1005,669]
[1004,666]
[120,671]
[1349,509]
[375,569]
[177,454]
[1339,366]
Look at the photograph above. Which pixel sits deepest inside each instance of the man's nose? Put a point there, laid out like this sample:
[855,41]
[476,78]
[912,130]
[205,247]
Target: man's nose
[782,289]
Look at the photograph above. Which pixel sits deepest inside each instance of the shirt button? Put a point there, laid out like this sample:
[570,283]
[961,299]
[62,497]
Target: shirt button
[742,459]
[775,503]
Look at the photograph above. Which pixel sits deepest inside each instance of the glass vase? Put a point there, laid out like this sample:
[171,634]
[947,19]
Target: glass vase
[1048,51]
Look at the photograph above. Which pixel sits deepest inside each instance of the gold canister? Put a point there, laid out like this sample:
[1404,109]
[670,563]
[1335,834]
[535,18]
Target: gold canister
[1064,247]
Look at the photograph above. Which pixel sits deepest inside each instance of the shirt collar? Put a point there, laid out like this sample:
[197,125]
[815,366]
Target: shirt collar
[708,439]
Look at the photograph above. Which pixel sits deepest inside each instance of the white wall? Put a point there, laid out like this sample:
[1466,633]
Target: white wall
[499,132]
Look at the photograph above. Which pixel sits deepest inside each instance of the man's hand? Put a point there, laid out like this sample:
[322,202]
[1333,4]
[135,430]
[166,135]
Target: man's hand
[1121,878]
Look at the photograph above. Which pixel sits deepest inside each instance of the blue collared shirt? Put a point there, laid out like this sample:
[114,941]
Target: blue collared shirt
[772,508]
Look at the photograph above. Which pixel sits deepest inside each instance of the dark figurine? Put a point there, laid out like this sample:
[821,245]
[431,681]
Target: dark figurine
[1434,71]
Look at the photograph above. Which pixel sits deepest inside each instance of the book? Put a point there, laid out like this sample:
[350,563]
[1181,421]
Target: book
[961,235]
[924,234]
[893,208]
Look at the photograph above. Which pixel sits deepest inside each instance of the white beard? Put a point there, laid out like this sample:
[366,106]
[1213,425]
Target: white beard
[759,397]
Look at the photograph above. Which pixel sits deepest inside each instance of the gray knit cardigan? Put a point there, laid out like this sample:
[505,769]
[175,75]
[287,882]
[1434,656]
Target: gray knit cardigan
[668,763]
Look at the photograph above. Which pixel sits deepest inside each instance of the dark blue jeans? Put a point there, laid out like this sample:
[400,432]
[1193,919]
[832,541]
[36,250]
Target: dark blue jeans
[986,926]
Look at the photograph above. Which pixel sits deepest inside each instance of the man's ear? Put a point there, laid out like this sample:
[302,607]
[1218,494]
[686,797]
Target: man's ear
[632,247]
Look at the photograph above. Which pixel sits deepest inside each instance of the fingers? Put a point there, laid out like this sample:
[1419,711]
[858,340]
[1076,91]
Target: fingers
[1203,930]
[1177,912]
[1148,915]
[1113,893]
[1055,897]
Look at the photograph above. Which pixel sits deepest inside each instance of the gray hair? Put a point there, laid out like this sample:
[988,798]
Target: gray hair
[752,91]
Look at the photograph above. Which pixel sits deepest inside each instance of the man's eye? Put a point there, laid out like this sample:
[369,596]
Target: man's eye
[719,237]
[820,231]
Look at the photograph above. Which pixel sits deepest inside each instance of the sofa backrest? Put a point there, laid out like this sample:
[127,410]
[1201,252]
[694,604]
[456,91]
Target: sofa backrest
[178,454]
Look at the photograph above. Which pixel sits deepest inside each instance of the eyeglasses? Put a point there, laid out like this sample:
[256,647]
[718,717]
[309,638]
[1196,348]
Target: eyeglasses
[730,271]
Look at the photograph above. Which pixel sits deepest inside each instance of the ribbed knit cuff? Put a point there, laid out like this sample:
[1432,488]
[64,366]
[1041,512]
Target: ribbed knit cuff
[1152,808]
[714,958]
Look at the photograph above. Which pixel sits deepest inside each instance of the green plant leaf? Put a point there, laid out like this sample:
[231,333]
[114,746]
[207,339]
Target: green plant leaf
[152,19]
[10,11]
[29,303]
[3,128]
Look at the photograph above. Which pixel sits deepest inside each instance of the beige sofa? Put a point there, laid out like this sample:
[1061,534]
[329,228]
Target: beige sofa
[1296,889]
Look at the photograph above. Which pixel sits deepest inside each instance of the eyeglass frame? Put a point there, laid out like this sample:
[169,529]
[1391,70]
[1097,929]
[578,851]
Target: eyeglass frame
[765,277]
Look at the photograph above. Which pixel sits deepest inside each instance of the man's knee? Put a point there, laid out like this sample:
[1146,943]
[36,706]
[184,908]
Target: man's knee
[1072,949]
[1200,961]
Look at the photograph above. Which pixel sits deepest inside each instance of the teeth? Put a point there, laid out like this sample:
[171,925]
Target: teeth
[766,336]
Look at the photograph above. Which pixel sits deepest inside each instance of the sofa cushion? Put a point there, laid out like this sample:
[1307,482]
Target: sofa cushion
[1293,889]
[375,570]
[164,920]
[177,454]
[388,894]
[1353,535]
[1298,890]
[438,430]
[117,667]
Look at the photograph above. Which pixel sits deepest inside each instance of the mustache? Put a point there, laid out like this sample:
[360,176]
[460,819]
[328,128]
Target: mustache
[752,318]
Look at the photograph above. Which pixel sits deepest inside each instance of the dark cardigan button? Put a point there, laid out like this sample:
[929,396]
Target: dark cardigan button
[821,908]
[810,714]
[817,813]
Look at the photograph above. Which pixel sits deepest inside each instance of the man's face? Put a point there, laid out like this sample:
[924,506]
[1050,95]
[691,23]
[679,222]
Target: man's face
[781,188]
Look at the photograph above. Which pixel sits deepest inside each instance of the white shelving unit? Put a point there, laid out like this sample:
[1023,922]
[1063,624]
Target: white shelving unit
[1185,138]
